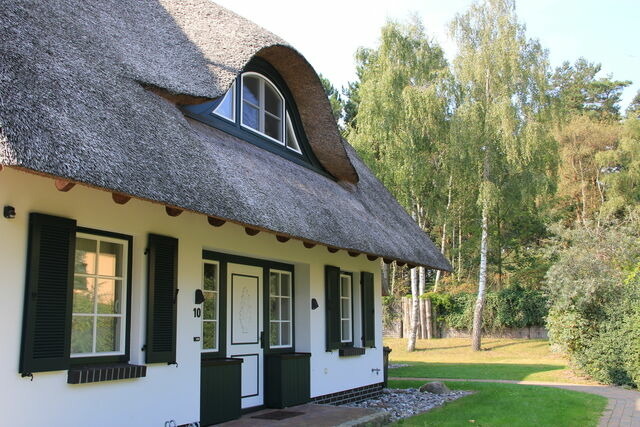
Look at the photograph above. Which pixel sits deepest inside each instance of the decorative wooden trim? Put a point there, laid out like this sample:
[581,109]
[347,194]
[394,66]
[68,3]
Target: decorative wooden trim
[353,253]
[173,211]
[372,257]
[251,231]
[387,260]
[64,185]
[400,263]
[282,239]
[332,249]
[410,266]
[215,221]
[308,245]
[120,199]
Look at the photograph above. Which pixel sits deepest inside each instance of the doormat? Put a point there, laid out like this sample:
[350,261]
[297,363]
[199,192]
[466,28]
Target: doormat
[278,415]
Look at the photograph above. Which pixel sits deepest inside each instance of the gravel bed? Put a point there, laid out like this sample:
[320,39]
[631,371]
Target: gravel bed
[403,403]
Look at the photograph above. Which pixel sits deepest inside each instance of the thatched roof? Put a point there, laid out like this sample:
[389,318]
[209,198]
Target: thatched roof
[79,85]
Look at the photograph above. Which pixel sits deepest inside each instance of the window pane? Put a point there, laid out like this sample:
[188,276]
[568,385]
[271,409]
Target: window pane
[285,312]
[346,330]
[274,308]
[210,277]
[225,107]
[85,256]
[83,294]
[286,285]
[251,89]
[108,334]
[81,334]
[274,334]
[286,332]
[272,101]
[346,308]
[109,294]
[273,284]
[273,127]
[110,260]
[209,335]
[250,116]
[292,141]
[345,288]
[209,306]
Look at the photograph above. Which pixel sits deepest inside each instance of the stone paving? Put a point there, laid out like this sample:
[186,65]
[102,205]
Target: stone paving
[316,415]
[623,408]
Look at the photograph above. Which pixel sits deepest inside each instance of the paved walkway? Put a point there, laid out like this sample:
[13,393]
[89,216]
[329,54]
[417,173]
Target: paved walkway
[623,408]
[315,415]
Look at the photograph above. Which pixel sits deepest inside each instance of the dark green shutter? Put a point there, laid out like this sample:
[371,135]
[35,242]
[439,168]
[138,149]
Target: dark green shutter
[368,310]
[46,333]
[332,306]
[162,295]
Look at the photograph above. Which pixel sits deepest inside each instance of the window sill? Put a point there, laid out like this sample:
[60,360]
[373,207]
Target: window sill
[351,351]
[101,373]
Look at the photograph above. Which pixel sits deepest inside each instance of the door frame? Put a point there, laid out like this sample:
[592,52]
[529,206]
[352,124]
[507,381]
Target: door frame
[224,259]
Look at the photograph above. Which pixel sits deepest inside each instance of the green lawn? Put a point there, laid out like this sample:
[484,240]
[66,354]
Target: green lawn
[510,405]
[503,359]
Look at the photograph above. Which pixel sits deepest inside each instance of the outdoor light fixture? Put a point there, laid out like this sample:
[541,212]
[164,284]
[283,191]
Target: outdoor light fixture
[9,212]
[314,304]
[199,296]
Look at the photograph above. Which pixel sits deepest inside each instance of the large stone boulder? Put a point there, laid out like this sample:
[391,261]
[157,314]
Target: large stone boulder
[435,387]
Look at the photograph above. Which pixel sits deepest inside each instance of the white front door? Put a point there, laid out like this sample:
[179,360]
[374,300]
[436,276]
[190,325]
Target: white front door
[244,315]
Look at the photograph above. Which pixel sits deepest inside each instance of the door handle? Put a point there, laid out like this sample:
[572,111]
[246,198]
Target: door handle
[262,339]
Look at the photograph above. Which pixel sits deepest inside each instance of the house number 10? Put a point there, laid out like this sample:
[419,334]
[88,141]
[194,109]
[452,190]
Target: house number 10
[197,312]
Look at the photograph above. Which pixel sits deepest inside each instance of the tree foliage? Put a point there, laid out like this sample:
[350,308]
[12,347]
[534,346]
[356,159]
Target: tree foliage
[500,159]
[594,290]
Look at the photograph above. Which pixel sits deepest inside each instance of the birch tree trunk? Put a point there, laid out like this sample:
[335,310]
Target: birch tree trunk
[459,248]
[422,276]
[476,334]
[444,232]
[415,311]
[386,285]
[429,318]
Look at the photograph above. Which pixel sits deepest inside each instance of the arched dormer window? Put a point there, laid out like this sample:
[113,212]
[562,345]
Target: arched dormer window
[259,109]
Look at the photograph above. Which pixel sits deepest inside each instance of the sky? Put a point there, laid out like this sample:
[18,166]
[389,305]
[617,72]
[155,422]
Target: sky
[328,32]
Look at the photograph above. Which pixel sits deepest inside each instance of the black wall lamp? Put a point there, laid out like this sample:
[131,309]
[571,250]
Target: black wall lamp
[9,212]
[199,296]
[314,304]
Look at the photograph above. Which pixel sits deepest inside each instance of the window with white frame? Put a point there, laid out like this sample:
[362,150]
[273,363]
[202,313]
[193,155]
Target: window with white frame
[280,309]
[211,291]
[262,107]
[98,326]
[346,314]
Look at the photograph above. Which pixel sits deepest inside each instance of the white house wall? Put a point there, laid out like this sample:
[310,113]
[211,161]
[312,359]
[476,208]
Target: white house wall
[167,392]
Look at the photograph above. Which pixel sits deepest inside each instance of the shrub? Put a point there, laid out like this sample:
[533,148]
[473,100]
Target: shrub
[594,289]
[513,307]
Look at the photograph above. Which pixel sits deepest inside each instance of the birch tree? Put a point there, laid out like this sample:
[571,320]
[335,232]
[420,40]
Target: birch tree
[500,121]
[401,126]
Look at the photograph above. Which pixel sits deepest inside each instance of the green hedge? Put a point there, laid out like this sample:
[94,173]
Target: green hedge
[513,307]
[594,287]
